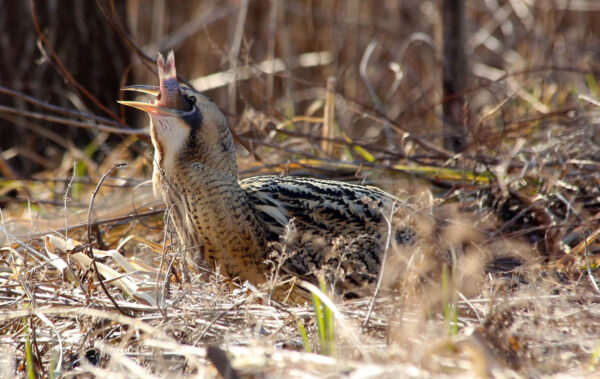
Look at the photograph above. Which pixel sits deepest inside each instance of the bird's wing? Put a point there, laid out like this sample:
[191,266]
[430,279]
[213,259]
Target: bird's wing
[336,229]
[317,205]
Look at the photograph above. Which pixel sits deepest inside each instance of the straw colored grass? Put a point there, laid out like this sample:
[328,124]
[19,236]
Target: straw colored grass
[92,282]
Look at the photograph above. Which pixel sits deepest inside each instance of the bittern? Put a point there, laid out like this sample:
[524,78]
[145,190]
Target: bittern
[245,228]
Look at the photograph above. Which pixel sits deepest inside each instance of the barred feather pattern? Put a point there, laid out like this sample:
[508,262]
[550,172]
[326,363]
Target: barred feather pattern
[326,227]
[247,229]
[307,227]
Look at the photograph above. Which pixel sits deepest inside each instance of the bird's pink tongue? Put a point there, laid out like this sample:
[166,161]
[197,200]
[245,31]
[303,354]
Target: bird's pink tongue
[170,95]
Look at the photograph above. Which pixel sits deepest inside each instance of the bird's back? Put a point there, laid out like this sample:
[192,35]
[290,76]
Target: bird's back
[324,205]
[326,226]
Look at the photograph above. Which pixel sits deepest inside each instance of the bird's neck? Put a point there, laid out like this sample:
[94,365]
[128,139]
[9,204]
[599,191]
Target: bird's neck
[175,152]
[214,211]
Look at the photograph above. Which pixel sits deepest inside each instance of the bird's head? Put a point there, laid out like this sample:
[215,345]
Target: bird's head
[185,126]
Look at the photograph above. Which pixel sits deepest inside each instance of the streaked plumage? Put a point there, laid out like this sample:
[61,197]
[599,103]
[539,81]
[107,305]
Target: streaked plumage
[247,228]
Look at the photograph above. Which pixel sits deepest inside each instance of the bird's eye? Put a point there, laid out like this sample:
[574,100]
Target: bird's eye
[191,99]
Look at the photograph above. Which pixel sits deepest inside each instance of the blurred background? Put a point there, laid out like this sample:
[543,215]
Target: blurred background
[77,54]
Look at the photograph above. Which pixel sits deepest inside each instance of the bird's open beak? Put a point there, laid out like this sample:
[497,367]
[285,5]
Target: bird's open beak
[150,90]
[152,109]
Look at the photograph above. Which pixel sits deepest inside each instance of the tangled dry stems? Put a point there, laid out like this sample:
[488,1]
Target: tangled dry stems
[538,201]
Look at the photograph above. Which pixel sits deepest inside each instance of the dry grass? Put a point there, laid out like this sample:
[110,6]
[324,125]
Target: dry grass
[527,187]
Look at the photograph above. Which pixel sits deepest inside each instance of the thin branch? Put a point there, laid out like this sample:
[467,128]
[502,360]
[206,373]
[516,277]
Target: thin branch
[587,264]
[56,60]
[148,61]
[70,122]
[157,293]
[106,221]
[235,52]
[89,235]
[388,239]
[55,108]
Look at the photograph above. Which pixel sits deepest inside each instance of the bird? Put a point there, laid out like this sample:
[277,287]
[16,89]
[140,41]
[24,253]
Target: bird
[246,229]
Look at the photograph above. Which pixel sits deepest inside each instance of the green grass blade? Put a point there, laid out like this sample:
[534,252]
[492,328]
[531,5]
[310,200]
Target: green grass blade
[592,84]
[328,323]
[320,322]
[304,336]
[28,353]
[449,308]
[365,154]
